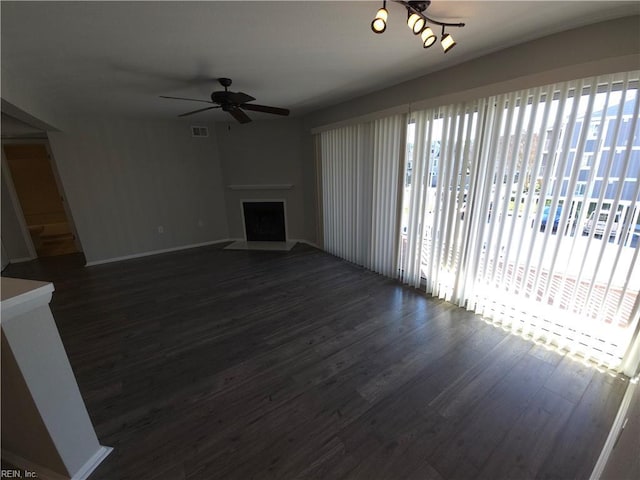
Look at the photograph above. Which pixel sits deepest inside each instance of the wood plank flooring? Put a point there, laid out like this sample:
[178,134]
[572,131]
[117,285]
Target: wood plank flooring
[210,363]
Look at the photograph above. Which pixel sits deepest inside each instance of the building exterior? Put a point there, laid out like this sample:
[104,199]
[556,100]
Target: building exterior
[608,170]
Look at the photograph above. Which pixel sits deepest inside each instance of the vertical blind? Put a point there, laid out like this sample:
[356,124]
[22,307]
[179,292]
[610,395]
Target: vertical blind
[522,207]
[360,172]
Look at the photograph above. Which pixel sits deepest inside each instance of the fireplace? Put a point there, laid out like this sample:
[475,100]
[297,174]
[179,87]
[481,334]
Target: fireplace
[264,221]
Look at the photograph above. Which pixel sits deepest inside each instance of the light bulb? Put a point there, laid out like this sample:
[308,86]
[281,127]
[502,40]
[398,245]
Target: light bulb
[447,42]
[428,37]
[379,23]
[415,23]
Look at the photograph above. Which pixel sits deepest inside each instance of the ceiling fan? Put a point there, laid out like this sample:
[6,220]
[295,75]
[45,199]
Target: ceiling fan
[232,102]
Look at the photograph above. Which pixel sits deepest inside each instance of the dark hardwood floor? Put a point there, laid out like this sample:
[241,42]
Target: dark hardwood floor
[208,363]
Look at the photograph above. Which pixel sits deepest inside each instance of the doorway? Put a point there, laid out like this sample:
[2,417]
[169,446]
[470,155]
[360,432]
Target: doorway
[40,199]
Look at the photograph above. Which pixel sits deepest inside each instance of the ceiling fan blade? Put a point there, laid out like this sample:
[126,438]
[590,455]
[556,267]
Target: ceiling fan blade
[265,109]
[191,99]
[196,111]
[239,115]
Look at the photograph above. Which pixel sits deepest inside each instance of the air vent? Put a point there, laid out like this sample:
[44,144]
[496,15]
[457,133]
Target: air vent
[199,131]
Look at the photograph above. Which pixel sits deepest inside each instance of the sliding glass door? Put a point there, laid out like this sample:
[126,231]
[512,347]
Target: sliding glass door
[524,207]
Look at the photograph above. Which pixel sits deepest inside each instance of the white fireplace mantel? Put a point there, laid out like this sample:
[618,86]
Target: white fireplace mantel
[275,186]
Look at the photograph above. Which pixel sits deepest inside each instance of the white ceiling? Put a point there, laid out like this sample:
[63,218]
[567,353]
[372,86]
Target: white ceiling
[116,58]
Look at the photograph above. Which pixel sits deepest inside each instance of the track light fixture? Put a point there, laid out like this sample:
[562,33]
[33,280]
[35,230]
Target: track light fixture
[417,22]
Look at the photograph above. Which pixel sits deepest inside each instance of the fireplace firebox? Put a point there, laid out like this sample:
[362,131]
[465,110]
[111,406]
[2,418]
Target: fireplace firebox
[264,221]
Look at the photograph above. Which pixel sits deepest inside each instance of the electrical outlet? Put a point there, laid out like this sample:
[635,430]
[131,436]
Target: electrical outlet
[160,229]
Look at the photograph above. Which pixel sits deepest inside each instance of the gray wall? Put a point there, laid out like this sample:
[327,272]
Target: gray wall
[605,47]
[125,178]
[262,153]
[11,127]
[5,256]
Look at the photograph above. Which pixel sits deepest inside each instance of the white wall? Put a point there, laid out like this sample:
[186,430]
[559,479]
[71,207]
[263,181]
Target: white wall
[263,153]
[124,178]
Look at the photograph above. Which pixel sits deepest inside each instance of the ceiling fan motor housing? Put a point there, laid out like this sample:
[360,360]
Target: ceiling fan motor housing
[219,97]
[225,82]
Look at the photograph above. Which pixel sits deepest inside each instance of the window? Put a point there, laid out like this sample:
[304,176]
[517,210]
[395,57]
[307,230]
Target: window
[587,161]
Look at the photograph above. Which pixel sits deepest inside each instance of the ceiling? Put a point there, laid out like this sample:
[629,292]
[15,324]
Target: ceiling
[116,58]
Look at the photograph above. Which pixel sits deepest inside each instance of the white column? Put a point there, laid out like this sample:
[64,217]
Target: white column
[45,424]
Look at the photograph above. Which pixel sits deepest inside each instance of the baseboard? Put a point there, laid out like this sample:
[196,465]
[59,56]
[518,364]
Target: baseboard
[173,249]
[91,464]
[44,473]
[154,252]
